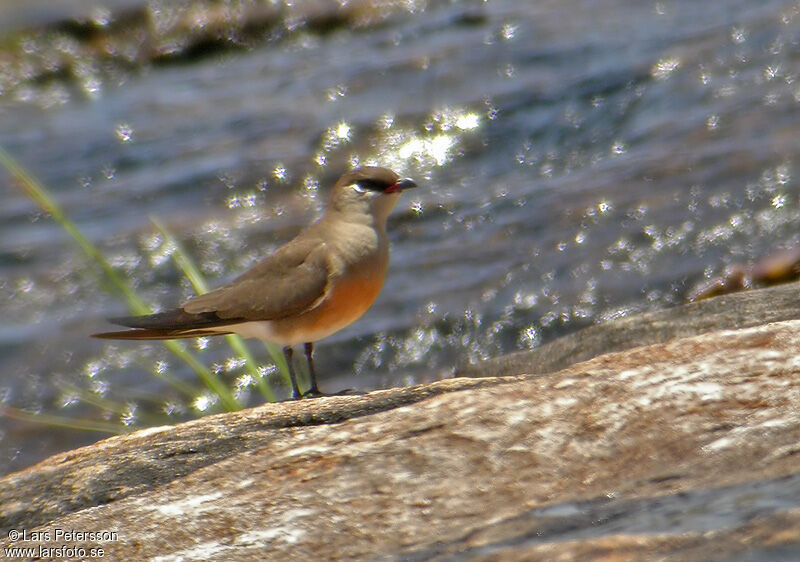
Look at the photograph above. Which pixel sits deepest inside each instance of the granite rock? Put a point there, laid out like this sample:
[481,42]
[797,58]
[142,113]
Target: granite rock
[684,449]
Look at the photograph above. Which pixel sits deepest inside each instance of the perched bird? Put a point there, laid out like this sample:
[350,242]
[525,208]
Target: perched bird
[312,286]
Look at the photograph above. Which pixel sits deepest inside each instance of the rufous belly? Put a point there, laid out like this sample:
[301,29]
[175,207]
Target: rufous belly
[348,299]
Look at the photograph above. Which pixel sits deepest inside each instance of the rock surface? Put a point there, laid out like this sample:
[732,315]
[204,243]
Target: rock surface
[686,449]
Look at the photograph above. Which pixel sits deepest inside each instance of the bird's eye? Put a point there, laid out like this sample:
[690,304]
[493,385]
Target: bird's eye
[358,188]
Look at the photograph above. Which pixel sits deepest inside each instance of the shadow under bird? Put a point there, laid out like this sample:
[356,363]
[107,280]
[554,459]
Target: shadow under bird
[314,285]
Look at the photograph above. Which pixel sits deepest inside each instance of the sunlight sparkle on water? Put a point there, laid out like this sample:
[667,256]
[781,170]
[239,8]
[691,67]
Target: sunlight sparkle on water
[386,121]
[162,254]
[203,402]
[337,135]
[772,72]
[468,121]
[99,387]
[440,148]
[738,35]
[529,337]
[665,67]
[437,148]
[414,146]
[93,368]
[338,91]
[234,363]
[244,382]
[128,417]
[782,174]
[280,173]
[508,31]
[68,399]
[124,132]
[172,408]
[101,16]
[343,131]
[265,371]
[310,186]
[93,87]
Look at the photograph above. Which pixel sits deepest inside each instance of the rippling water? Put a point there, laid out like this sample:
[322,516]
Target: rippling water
[578,160]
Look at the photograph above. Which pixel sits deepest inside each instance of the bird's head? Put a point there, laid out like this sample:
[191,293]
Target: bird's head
[368,190]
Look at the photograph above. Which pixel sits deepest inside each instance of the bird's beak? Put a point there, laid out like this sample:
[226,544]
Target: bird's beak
[404,183]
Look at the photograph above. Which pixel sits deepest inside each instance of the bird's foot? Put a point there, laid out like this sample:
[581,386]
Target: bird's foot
[314,392]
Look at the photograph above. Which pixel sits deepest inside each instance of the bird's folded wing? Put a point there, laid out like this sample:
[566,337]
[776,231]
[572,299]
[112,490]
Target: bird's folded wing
[166,325]
[291,281]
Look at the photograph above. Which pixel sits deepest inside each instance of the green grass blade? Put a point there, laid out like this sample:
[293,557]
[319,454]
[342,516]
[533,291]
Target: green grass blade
[61,421]
[185,263]
[118,408]
[213,382]
[36,191]
[92,398]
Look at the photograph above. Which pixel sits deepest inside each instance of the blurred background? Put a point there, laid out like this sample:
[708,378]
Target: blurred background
[578,161]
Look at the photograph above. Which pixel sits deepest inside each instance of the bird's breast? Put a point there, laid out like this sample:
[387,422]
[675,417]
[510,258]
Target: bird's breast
[351,291]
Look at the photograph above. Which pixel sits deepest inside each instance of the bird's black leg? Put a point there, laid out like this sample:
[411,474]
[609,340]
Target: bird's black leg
[287,353]
[314,389]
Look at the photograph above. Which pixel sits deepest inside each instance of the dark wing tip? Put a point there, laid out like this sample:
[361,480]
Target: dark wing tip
[130,321]
[143,334]
[129,335]
[175,323]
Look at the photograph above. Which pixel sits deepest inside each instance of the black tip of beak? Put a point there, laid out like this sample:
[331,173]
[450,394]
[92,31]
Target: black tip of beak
[406,183]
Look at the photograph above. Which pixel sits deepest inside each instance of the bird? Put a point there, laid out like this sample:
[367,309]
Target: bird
[319,282]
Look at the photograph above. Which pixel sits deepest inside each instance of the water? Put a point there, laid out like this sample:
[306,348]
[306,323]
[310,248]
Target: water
[578,161]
